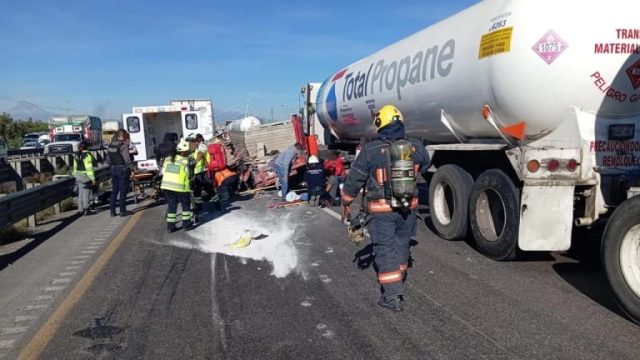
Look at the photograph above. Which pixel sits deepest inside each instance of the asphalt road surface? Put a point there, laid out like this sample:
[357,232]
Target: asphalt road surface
[302,291]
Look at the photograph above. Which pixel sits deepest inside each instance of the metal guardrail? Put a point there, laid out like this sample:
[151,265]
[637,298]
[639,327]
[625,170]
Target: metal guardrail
[22,204]
[24,153]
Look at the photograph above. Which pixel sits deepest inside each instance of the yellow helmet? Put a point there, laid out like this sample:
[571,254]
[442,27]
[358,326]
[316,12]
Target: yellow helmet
[387,115]
[182,146]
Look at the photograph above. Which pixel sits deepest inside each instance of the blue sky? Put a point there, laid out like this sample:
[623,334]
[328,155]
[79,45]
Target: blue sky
[107,56]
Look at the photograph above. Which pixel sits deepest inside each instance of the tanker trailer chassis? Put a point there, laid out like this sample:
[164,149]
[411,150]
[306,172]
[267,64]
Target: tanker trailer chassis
[514,198]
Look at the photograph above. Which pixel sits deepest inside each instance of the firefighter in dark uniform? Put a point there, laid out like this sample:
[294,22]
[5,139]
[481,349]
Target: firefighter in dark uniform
[387,167]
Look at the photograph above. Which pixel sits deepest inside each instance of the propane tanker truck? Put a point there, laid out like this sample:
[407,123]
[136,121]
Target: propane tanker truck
[530,110]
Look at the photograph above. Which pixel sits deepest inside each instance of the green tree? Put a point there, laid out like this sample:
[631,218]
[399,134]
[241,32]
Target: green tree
[12,131]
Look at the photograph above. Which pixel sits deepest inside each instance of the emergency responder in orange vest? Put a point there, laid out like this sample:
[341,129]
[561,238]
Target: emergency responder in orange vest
[387,167]
[226,182]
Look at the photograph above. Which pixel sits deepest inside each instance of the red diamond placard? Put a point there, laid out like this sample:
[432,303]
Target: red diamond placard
[634,75]
[550,46]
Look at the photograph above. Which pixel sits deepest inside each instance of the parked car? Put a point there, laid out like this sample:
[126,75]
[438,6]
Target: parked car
[31,144]
[31,136]
[3,152]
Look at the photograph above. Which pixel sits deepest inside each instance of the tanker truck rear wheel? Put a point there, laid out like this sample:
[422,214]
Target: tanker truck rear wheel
[621,256]
[449,201]
[493,215]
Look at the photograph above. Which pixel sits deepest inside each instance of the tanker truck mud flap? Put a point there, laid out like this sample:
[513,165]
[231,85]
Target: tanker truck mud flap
[621,256]
[546,216]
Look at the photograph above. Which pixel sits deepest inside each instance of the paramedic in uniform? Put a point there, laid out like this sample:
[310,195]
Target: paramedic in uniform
[390,227]
[200,161]
[176,186]
[83,164]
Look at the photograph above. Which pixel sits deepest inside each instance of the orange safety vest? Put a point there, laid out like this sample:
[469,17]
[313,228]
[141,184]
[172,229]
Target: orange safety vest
[221,175]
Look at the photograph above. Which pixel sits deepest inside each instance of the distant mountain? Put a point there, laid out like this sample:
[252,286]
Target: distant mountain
[221,116]
[23,110]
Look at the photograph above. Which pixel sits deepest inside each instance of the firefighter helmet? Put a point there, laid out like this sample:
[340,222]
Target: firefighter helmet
[388,114]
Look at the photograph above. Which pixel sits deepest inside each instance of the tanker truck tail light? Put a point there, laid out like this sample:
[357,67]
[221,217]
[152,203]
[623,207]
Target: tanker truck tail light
[533,166]
[572,165]
[553,165]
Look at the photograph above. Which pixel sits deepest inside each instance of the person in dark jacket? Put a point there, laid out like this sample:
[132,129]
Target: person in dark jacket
[387,167]
[120,164]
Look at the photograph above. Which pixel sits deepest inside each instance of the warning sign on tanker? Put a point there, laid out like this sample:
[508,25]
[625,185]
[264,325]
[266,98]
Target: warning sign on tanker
[496,42]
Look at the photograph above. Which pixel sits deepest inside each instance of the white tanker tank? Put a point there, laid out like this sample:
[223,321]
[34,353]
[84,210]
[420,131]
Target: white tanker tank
[531,112]
[529,60]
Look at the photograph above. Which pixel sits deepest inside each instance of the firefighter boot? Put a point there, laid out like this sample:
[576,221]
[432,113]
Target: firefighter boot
[393,303]
[187,225]
[171,227]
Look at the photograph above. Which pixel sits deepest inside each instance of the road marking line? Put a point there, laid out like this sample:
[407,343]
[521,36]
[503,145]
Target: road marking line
[61,281]
[72,267]
[36,307]
[54,288]
[6,344]
[335,215]
[215,309]
[78,262]
[67,273]
[92,247]
[88,252]
[44,297]
[21,318]
[13,330]
[80,257]
[46,332]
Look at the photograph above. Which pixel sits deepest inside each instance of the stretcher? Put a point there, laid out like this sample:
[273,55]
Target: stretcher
[145,180]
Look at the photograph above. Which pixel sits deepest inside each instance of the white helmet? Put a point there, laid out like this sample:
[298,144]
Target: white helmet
[182,146]
[313,160]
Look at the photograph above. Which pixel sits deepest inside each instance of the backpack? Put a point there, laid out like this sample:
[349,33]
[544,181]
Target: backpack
[217,157]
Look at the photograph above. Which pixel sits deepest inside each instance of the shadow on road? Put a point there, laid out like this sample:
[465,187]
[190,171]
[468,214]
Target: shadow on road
[39,238]
[585,272]
[62,222]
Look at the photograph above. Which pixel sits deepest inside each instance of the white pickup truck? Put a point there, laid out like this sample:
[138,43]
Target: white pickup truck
[65,143]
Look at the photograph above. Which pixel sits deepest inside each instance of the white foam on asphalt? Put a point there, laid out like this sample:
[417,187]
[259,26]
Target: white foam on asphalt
[6,344]
[217,235]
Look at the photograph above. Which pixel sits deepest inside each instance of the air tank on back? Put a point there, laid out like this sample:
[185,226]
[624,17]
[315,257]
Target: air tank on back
[529,60]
